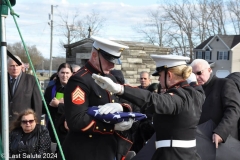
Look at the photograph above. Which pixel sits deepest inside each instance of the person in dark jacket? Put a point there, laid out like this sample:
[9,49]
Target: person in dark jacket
[235,76]
[88,137]
[28,139]
[54,98]
[222,104]
[23,91]
[175,113]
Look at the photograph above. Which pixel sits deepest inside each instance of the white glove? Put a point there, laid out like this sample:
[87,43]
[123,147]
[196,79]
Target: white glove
[110,108]
[123,126]
[192,78]
[107,83]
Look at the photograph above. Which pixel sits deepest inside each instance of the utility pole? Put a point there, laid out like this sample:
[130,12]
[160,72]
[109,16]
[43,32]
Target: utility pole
[51,39]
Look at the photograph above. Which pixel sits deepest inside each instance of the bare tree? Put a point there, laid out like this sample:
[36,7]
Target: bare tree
[153,29]
[68,28]
[218,18]
[187,23]
[34,53]
[202,18]
[181,15]
[73,28]
[93,20]
[234,13]
[172,24]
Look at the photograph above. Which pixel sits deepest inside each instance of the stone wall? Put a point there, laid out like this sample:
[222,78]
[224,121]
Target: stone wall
[137,59]
[134,60]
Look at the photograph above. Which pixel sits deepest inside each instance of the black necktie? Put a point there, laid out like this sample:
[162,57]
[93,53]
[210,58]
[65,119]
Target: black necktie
[12,84]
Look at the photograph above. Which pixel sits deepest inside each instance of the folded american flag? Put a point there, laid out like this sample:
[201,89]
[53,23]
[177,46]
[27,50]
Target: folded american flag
[116,117]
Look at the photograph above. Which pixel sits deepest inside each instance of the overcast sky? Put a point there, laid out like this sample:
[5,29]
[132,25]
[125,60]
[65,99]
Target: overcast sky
[120,15]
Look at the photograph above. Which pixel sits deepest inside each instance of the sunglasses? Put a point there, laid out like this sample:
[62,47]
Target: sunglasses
[199,73]
[29,121]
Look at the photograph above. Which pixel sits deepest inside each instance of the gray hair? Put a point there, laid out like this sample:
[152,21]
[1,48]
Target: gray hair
[201,62]
[149,76]
[75,66]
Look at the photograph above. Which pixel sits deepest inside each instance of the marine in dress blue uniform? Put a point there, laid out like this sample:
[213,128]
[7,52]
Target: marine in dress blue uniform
[90,138]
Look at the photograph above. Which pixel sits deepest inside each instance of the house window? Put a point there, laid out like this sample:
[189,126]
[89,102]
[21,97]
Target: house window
[220,56]
[199,55]
[207,55]
[223,55]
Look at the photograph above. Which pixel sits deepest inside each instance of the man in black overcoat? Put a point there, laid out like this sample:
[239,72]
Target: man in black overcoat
[23,92]
[222,103]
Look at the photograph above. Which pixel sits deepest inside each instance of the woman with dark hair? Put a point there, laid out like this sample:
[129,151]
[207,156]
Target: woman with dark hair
[28,139]
[54,99]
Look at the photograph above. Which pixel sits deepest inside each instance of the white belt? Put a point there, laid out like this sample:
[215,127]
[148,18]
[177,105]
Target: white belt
[176,143]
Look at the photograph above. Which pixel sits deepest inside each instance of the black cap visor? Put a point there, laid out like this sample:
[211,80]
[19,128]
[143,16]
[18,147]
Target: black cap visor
[109,57]
[155,73]
[159,69]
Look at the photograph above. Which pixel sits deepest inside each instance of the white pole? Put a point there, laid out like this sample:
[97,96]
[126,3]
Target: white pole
[4,90]
[51,39]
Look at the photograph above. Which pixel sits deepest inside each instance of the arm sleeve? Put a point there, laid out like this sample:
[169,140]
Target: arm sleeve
[47,97]
[37,101]
[167,103]
[231,105]
[171,102]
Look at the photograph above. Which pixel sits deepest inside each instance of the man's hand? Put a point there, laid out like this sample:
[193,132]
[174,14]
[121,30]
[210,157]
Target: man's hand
[123,126]
[65,125]
[107,83]
[216,139]
[54,102]
[110,108]
[61,100]
[192,78]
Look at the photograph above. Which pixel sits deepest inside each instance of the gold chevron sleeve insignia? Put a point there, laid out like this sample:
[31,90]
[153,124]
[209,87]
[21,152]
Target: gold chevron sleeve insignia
[78,96]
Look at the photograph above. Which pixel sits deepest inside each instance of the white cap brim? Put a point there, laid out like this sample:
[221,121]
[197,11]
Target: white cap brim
[108,46]
[169,60]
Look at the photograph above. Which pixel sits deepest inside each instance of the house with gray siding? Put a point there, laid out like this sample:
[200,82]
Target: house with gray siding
[222,52]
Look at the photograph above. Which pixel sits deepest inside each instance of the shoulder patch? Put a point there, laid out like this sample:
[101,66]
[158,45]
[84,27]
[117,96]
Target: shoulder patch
[78,96]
